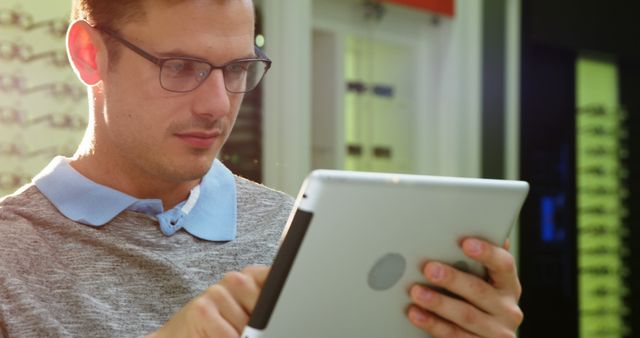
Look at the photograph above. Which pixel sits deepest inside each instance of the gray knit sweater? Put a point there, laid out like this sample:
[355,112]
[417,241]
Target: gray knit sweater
[59,278]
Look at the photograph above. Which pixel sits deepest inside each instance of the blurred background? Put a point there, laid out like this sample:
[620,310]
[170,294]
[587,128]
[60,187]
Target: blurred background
[540,90]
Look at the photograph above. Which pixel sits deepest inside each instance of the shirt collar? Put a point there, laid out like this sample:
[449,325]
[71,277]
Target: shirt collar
[209,213]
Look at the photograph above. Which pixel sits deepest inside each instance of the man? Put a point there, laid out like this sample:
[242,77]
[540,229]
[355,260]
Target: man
[125,238]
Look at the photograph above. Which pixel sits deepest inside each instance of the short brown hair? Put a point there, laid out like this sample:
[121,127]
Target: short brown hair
[107,13]
[112,14]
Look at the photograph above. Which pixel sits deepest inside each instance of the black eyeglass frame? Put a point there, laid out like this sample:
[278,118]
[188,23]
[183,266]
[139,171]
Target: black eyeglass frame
[159,61]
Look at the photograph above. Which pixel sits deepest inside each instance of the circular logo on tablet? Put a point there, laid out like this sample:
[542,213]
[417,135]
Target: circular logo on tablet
[387,271]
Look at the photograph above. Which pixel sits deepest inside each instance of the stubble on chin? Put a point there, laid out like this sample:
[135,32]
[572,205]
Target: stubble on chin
[179,165]
[183,170]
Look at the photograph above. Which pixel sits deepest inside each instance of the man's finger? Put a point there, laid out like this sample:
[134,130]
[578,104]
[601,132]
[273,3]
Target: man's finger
[259,273]
[470,287]
[227,307]
[434,325]
[243,288]
[499,262]
[460,313]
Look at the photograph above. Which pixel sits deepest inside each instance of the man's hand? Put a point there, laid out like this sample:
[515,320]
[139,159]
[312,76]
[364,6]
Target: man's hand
[489,309]
[222,311]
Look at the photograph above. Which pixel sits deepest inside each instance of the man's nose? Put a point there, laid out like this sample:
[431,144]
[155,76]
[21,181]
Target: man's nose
[212,97]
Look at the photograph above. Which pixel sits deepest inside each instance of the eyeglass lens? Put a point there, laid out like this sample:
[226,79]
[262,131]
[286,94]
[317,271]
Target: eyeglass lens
[183,75]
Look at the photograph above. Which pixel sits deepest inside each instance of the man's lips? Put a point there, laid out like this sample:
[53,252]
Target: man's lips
[201,140]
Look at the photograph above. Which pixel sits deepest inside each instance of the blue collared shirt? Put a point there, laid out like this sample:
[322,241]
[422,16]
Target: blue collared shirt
[208,213]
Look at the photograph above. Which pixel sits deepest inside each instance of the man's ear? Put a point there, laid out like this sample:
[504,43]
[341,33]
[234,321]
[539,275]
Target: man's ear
[86,49]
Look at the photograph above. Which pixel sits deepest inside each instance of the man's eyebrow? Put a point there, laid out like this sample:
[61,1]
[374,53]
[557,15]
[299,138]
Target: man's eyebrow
[183,54]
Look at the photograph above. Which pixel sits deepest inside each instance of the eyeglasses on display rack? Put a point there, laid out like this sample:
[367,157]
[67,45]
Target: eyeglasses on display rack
[15,51]
[17,84]
[24,21]
[24,151]
[604,250]
[11,181]
[10,116]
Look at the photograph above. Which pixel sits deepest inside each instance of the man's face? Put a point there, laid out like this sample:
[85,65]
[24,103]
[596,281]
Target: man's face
[174,136]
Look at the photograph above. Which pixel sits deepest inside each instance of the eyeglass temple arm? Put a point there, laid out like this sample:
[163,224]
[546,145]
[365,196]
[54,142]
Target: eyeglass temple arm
[131,46]
[262,55]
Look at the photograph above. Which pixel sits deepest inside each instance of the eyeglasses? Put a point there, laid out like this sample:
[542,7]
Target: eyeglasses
[185,74]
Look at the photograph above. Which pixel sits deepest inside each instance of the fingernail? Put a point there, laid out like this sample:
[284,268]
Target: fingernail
[436,272]
[417,316]
[474,247]
[425,295]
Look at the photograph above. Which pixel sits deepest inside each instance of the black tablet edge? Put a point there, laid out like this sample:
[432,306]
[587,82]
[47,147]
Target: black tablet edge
[280,270]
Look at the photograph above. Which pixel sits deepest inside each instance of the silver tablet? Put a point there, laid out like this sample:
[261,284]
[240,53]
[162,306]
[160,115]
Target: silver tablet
[356,242]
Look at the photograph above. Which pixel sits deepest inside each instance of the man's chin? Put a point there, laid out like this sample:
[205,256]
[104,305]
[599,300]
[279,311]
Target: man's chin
[196,172]
[186,170]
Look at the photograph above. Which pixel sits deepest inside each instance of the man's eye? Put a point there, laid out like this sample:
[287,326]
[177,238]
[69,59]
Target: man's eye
[179,68]
[238,67]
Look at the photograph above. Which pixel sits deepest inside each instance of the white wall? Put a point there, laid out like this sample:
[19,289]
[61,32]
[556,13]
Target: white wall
[447,122]
[286,115]
[450,128]
[512,118]
[512,125]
